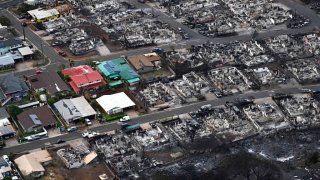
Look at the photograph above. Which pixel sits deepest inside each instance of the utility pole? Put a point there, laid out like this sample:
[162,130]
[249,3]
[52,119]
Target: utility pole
[42,53]
[23,30]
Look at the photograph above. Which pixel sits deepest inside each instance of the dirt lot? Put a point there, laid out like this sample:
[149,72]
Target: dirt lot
[163,72]
[91,172]
[58,171]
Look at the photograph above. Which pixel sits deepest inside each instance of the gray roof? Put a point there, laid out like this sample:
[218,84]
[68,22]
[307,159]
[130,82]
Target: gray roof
[11,84]
[4,32]
[3,163]
[5,130]
[10,42]
[72,109]
[6,60]
[3,113]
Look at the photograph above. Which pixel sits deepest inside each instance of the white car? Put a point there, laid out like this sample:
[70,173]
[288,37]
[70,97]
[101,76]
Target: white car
[125,118]
[88,122]
[85,134]
[89,134]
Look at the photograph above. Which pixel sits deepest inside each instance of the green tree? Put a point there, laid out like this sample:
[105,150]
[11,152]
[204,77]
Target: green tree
[5,21]
[14,111]
[66,78]
[81,120]
[61,67]
[52,100]
[24,8]
[7,178]
[37,55]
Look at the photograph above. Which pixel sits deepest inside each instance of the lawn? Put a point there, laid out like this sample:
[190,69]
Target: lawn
[114,117]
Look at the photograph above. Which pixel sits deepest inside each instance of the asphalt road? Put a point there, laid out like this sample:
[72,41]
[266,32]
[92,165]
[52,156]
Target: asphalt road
[9,3]
[195,39]
[153,117]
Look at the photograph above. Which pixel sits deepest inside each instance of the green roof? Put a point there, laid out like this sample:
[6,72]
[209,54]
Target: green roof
[118,67]
[115,83]
[133,80]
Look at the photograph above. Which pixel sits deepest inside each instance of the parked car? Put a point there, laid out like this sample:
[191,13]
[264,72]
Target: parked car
[61,52]
[33,137]
[157,50]
[306,90]
[85,134]
[123,124]
[60,141]
[125,118]
[88,122]
[72,129]
[89,134]
[38,71]
[57,43]
[185,36]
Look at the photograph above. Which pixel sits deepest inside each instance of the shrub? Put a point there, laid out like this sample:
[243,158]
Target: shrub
[113,117]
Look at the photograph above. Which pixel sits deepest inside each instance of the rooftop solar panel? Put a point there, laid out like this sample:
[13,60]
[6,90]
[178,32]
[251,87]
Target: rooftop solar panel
[35,119]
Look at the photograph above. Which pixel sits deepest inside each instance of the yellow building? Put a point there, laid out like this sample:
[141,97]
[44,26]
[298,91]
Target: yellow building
[40,15]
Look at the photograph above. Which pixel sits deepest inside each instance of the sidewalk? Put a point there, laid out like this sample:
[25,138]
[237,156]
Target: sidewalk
[11,142]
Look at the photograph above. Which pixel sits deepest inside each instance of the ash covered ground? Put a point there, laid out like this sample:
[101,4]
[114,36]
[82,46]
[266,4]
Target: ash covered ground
[284,155]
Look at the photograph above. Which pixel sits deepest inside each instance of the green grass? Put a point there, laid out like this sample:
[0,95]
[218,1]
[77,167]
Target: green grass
[114,117]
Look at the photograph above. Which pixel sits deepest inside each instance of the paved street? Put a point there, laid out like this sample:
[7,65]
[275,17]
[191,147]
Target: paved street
[151,117]
[195,39]
[6,4]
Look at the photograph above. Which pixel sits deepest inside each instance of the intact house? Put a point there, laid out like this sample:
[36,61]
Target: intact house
[40,15]
[115,103]
[25,52]
[117,71]
[36,118]
[12,88]
[83,77]
[144,63]
[6,129]
[74,109]
[48,81]
[7,169]
[8,45]
[32,164]
[7,61]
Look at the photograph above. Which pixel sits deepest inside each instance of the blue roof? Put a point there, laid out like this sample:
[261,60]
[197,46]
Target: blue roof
[118,67]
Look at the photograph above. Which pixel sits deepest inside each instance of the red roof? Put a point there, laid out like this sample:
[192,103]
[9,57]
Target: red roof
[82,75]
[91,86]
[77,70]
[86,78]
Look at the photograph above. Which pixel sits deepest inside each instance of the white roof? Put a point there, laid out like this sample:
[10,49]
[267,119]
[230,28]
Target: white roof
[4,122]
[6,60]
[41,14]
[115,101]
[72,109]
[83,106]
[24,51]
